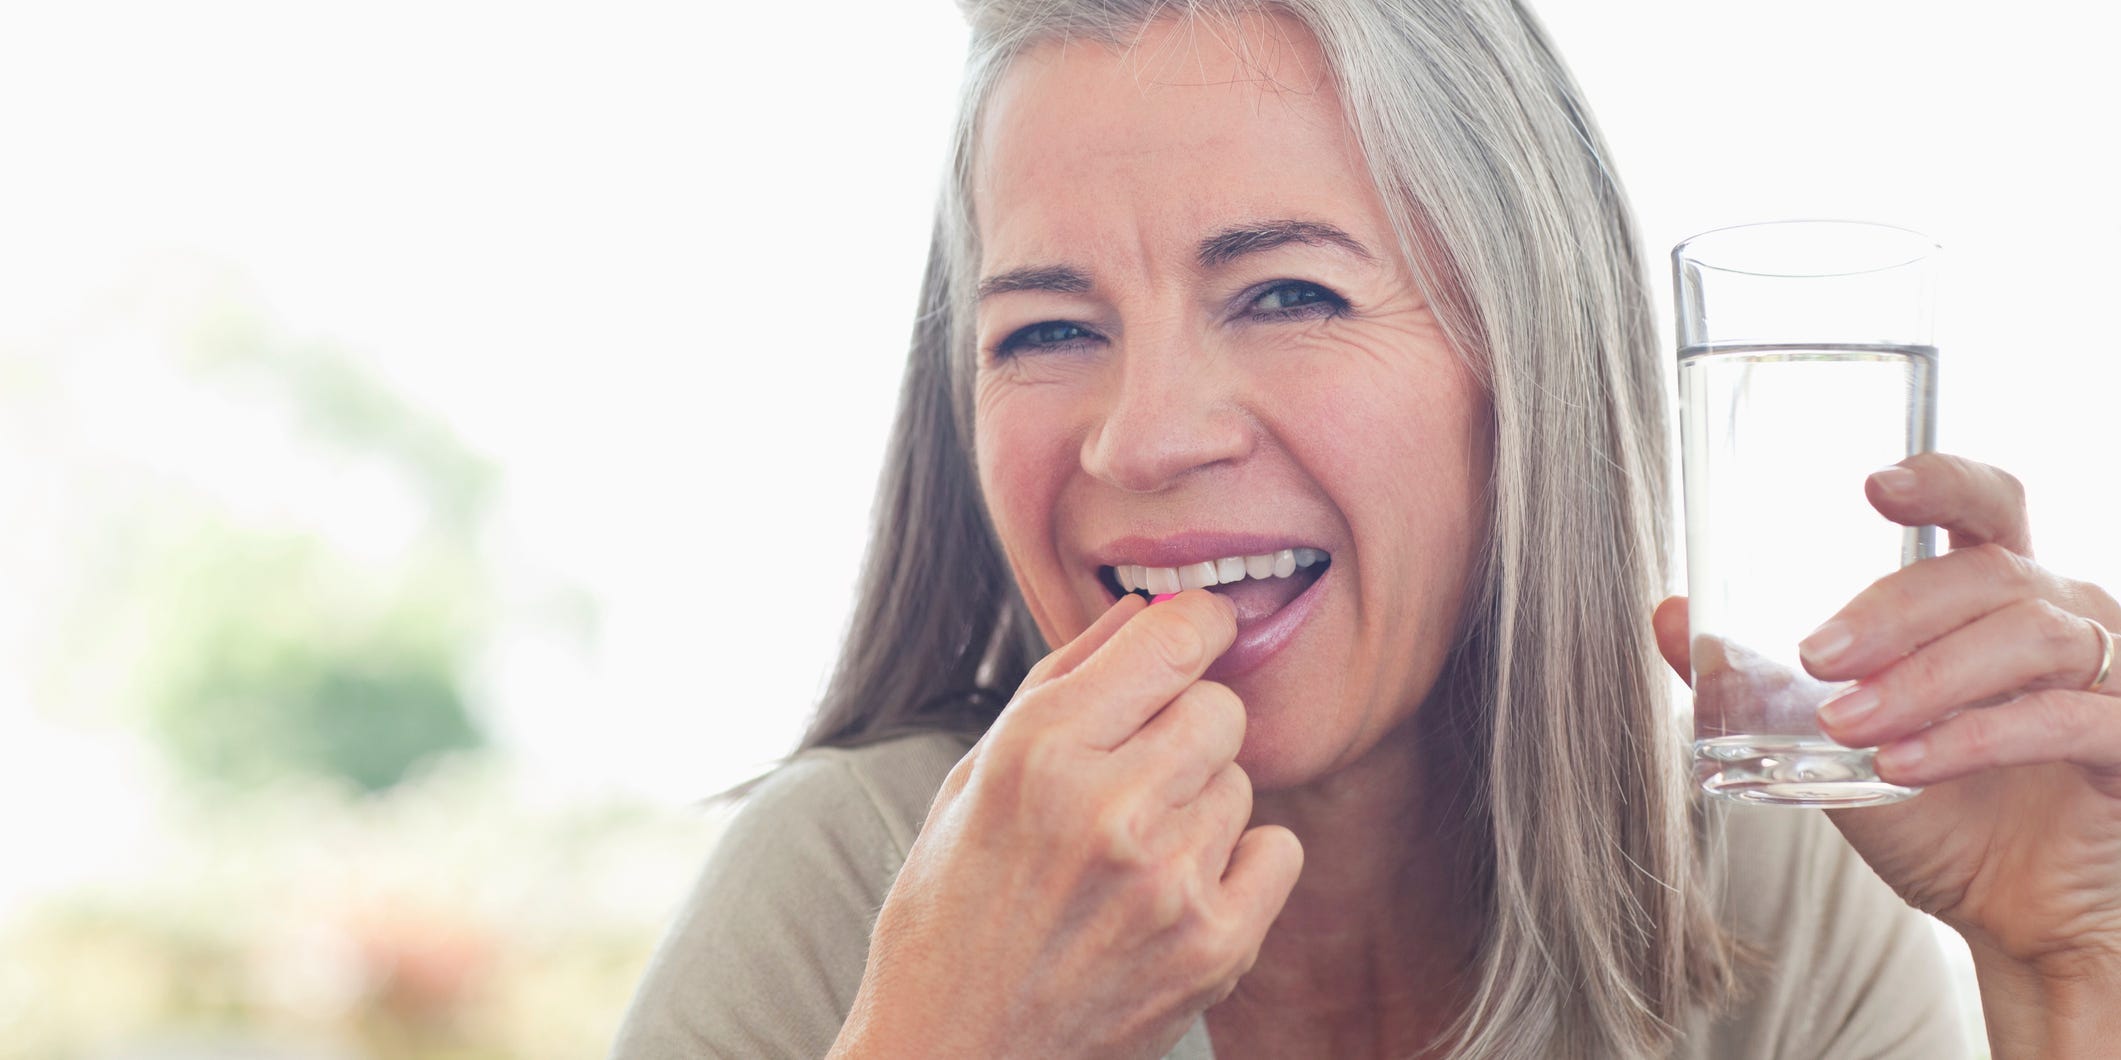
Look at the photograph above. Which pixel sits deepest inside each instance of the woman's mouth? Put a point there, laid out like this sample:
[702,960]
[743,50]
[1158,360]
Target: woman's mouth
[1273,593]
[1258,585]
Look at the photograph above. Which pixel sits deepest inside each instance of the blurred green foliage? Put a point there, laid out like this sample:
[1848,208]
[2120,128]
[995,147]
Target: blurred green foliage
[338,865]
[261,582]
[272,652]
[287,660]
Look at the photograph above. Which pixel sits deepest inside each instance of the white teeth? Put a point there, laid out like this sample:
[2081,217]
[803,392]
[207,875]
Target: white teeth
[1196,575]
[1158,581]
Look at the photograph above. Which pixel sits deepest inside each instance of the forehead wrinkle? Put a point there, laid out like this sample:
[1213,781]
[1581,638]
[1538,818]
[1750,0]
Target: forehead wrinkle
[1253,40]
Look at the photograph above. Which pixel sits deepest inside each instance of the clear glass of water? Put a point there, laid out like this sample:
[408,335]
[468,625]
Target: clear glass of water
[1806,362]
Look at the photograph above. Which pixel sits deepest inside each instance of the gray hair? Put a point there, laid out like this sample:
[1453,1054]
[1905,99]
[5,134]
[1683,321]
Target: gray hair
[1598,931]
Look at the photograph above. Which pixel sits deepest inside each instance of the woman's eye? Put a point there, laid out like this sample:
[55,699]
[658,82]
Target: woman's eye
[1041,337]
[1294,297]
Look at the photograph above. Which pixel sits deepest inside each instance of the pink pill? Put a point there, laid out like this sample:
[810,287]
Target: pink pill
[1161,599]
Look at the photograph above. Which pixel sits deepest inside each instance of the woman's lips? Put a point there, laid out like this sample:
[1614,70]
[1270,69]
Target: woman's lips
[1261,636]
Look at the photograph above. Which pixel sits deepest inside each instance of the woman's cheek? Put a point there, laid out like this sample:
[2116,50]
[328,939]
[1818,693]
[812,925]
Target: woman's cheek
[1019,441]
[1022,458]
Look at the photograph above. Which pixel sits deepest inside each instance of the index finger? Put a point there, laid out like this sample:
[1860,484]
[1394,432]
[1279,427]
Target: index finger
[1977,503]
[1147,663]
[1070,655]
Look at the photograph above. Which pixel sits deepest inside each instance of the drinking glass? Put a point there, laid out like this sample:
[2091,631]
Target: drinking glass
[1805,363]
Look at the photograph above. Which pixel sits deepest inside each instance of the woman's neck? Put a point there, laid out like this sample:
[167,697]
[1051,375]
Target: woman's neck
[1369,953]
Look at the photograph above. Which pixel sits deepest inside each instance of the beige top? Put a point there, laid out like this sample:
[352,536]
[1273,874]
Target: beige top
[764,958]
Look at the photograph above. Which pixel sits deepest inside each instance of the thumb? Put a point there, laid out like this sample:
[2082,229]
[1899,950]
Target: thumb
[1670,622]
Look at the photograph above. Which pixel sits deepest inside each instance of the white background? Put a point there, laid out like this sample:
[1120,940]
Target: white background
[659,261]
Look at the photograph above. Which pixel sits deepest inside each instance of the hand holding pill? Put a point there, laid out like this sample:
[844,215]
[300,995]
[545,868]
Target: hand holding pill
[1087,881]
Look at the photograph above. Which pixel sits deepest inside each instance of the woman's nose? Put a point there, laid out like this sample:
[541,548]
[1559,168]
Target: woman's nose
[1164,417]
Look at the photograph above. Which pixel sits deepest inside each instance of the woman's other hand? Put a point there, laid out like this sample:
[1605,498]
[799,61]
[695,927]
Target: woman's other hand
[1971,672]
[1086,882]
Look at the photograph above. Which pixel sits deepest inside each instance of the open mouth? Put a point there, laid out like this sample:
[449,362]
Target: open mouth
[1259,585]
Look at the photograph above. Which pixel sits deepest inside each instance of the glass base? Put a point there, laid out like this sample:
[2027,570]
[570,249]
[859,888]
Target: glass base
[1791,771]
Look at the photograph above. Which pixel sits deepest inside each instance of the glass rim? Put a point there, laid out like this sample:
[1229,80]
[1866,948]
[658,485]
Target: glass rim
[1917,247]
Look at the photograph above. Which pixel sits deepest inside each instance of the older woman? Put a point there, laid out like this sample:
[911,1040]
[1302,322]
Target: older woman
[1325,316]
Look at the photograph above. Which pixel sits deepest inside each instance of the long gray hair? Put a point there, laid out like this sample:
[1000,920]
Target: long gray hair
[1598,935]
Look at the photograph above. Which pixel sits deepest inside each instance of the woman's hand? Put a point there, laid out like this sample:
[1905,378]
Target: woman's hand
[1086,883]
[1972,671]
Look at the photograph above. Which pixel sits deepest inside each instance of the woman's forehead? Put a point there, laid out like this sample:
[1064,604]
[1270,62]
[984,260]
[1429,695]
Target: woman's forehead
[1194,123]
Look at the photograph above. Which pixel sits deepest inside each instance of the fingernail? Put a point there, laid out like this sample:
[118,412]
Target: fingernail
[1901,757]
[1847,707]
[1825,643]
[1895,482]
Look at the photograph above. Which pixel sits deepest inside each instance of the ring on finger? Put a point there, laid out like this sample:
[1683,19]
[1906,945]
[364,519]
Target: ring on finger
[2106,654]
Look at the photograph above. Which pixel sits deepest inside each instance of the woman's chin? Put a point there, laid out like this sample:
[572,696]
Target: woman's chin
[1296,739]
[1284,750]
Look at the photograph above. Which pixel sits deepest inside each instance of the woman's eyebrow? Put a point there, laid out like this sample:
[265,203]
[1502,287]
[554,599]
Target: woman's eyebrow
[1254,237]
[1057,278]
[1214,252]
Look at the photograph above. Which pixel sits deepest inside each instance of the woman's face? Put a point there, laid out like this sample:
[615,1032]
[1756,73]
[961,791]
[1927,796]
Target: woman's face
[1198,344]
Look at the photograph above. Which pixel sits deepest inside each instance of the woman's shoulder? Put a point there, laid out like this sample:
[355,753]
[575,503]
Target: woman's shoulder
[890,782]
[1837,965]
[766,955]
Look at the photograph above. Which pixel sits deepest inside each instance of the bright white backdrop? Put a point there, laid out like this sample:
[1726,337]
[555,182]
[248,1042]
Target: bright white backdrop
[659,260]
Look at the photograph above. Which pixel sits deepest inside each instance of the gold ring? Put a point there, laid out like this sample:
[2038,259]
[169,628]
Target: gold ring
[2106,654]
